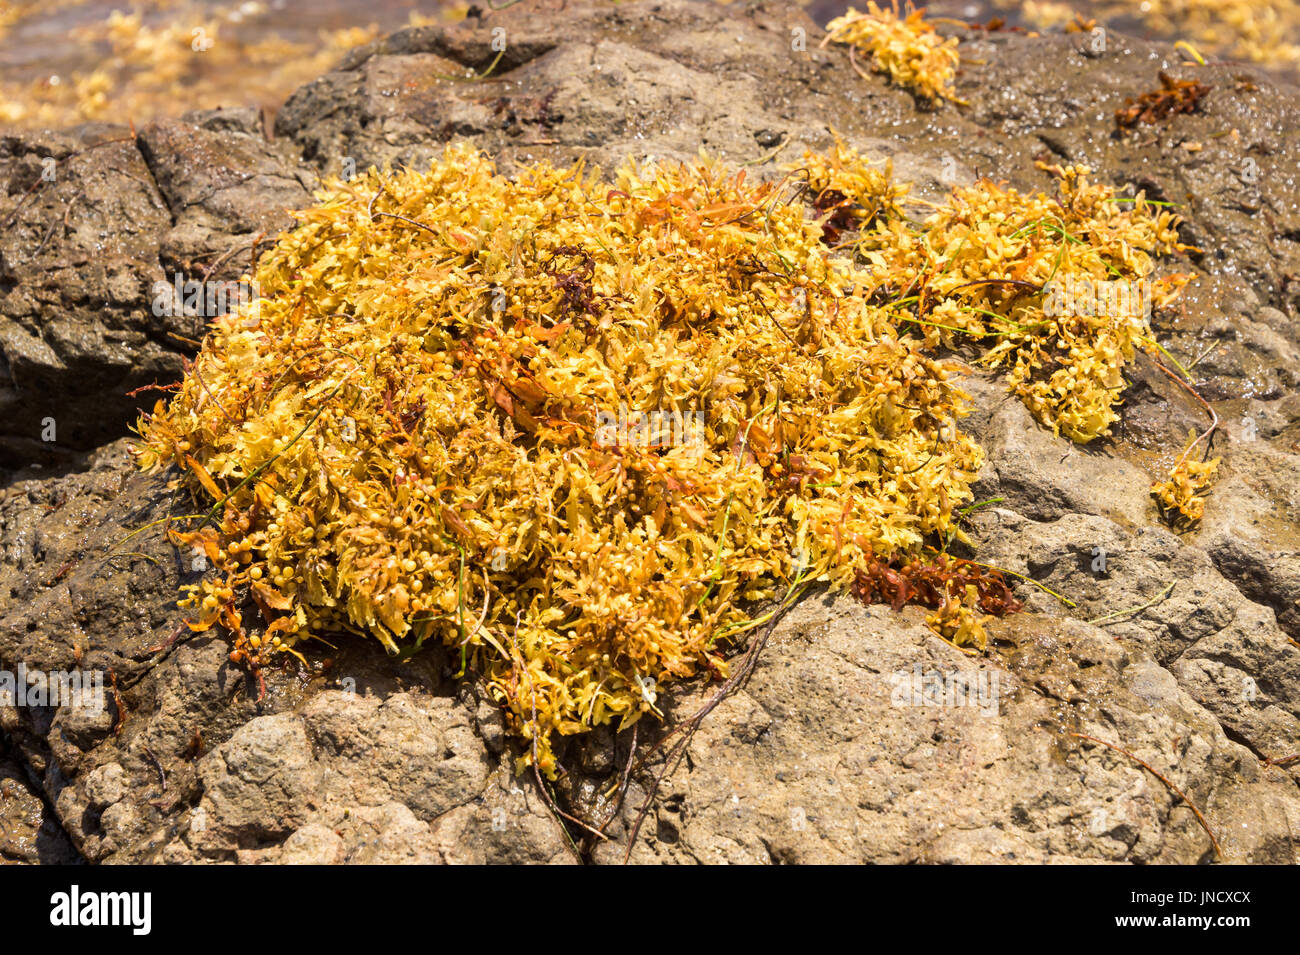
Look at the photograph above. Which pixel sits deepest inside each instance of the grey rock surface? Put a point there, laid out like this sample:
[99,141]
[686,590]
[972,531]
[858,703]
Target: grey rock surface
[839,750]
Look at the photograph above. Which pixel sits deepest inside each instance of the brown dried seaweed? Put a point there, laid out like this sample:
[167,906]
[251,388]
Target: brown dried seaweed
[1173,97]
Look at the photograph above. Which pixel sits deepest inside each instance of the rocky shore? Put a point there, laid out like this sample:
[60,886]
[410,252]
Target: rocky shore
[1080,739]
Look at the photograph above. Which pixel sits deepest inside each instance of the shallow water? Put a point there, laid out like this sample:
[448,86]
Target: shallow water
[261,52]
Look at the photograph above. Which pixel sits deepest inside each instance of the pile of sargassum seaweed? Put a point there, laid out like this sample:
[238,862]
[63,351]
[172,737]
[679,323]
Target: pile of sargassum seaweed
[578,429]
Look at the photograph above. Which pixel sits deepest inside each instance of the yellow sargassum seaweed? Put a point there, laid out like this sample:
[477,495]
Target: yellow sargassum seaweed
[843,177]
[570,429]
[1179,496]
[1056,289]
[906,48]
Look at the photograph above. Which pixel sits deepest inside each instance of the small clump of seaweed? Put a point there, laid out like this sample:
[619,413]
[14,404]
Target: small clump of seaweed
[905,48]
[954,588]
[848,192]
[1173,97]
[1181,495]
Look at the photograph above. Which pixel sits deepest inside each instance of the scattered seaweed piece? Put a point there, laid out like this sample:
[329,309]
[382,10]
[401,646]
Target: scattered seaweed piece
[1180,496]
[1174,97]
[952,587]
[907,49]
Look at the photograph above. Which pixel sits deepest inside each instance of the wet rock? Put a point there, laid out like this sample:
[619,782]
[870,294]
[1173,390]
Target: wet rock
[78,256]
[29,829]
[98,223]
[1045,476]
[70,596]
[1253,528]
[1149,589]
[229,192]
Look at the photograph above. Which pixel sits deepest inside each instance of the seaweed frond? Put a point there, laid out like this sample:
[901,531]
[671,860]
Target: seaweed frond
[907,49]
[1181,496]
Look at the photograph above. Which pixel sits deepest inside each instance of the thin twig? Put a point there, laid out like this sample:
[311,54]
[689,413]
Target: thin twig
[207,391]
[1214,415]
[154,386]
[49,233]
[220,260]
[854,63]
[418,225]
[1150,603]
[71,202]
[135,553]
[779,327]
[370,210]
[688,727]
[1016,282]
[1148,767]
[13,216]
[1197,360]
[161,520]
